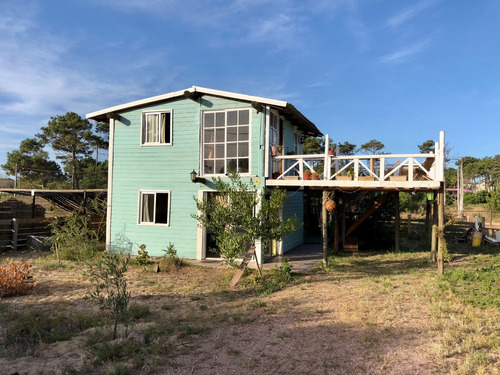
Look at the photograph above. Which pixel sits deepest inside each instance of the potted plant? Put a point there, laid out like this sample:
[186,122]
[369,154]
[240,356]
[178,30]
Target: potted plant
[331,151]
[307,175]
[274,150]
[315,176]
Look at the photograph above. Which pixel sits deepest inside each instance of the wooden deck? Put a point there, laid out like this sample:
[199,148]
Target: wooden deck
[402,172]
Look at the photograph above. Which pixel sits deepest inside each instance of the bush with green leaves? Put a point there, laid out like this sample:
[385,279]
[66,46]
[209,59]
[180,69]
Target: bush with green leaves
[74,239]
[276,280]
[493,201]
[142,258]
[110,285]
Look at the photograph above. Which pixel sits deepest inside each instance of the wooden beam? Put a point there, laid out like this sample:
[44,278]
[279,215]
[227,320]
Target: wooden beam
[336,225]
[397,223]
[368,213]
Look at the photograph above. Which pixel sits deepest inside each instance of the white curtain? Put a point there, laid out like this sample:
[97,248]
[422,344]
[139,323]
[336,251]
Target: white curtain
[151,128]
[148,208]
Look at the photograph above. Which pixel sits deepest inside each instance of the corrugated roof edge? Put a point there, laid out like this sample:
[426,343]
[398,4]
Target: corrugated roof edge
[101,114]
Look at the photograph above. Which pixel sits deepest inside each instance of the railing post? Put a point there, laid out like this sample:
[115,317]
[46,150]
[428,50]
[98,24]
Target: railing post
[356,169]
[301,168]
[382,169]
[327,160]
[410,169]
[15,231]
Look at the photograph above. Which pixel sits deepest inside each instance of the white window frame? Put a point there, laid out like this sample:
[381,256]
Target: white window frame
[143,124]
[140,207]
[202,143]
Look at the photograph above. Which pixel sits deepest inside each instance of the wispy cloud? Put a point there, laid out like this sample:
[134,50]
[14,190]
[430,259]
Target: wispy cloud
[409,13]
[14,130]
[403,54]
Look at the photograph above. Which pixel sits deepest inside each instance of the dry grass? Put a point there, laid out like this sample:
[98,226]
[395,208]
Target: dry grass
[368,313]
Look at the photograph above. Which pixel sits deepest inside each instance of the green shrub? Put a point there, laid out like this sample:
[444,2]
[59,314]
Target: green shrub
[142,258]
[276,280]
[480,197]
[110,293]
[170,260]
[494,201]
[74,239]
[138,312]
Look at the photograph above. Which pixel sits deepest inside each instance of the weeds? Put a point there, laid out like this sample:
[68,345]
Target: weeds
[137,312]
[276,280]
[142,258]
[170,260]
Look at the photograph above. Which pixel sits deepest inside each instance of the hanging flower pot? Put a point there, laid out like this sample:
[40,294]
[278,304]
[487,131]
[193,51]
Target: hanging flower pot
[274,150]
[330,205]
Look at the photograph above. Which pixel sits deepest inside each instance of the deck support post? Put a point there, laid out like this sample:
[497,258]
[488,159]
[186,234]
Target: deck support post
[441,205]
[343,220]
[336,225]
[427,223]
[33,204]
[433,244]
[397,224]
[324,224]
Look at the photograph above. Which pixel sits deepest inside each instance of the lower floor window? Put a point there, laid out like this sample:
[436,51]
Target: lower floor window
[154,207]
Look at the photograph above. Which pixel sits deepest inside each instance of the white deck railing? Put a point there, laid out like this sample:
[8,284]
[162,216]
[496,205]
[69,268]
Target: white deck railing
[401,168]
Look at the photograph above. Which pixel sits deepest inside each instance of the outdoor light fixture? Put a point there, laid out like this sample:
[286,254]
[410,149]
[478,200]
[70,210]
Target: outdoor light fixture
[195,178]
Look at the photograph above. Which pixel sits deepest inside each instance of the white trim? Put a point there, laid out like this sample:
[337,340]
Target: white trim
[175,94]
[249,141]
[266,143]
[201,232]
[110,181]
[157,111]
[139,210]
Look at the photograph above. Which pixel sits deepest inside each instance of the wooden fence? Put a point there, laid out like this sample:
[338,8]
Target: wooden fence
[14,232]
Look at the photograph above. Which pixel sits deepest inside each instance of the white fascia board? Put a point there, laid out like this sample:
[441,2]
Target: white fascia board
[203,90]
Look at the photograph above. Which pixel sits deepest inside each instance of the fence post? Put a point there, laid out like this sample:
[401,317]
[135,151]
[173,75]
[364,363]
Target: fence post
[15,229]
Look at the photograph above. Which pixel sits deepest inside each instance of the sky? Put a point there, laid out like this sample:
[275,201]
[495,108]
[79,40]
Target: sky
[398,71]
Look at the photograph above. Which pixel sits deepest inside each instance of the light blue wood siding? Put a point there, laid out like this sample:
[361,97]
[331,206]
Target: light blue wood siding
[294,206]
[139,167]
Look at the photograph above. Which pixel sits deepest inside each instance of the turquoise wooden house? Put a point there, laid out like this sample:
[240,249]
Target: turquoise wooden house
[157,143]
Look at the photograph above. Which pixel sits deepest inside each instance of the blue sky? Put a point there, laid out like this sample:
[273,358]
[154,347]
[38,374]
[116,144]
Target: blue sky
[394,70]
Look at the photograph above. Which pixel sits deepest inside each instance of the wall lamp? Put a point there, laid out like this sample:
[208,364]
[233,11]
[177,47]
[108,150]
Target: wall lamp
[195,178]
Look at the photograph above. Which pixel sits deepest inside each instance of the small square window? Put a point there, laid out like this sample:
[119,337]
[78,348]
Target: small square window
[156,128]
[154,208]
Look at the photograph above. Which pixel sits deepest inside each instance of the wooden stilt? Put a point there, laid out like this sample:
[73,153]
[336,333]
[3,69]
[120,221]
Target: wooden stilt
[33,205]
[336,225]
[441,204]
[343,221]
[397,223]
[324,225]
[433,244]
[427,224]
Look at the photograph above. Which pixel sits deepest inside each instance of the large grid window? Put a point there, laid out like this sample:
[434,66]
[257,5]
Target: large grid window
[154,207]
[157,128]
[226,141]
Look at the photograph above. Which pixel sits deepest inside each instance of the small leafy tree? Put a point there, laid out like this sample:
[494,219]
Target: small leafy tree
[242,216]
[110,293]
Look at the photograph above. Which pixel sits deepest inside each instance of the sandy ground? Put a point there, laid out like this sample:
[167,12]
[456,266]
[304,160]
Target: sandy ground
[329,323]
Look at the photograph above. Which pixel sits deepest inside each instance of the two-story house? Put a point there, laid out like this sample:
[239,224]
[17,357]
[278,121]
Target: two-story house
[165,150]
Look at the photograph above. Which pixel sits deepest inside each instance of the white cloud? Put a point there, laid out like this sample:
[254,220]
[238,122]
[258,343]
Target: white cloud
[404,53]
[410,13]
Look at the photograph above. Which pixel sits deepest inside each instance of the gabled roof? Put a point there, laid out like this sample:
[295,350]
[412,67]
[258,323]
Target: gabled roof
[287,109]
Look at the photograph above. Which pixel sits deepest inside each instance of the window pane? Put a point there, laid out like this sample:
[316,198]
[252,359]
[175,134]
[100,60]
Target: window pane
[231,165]
[219,167]
[147,208]
[242,149]
[244,117]
[243,165]
[151,128]
[231,134]
[220,119]
[209,120]
[161,208]
[208,167]
[219,151]
[231,150]
[209,151]
[243,133]
[232,118]
[209,135]
[219,136]
[165,128]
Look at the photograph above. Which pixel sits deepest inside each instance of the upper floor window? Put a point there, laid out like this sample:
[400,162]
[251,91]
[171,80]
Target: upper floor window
[226,141]
[157,128]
